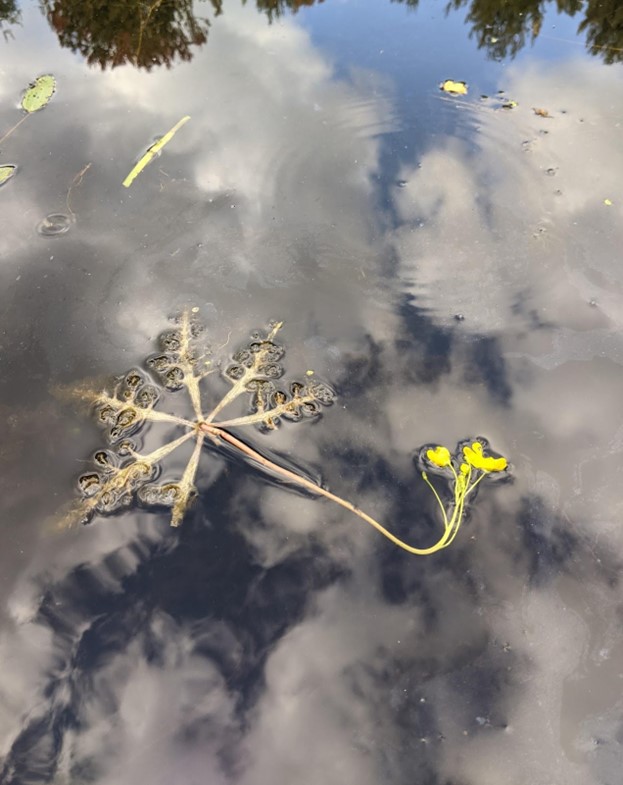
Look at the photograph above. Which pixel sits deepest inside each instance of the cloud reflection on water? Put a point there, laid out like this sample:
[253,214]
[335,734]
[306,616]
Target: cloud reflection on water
[306,649]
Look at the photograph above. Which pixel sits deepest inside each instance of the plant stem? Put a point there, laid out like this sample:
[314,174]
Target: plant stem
[217,432]
[439,502]
[15,127]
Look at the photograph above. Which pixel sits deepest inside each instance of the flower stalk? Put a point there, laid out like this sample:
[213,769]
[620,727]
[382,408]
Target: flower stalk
[464,471]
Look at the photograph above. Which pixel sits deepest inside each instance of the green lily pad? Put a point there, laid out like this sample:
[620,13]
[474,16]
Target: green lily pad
[39,93]
[6,172]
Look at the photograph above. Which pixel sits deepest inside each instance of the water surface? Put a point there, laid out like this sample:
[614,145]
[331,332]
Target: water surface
[450,266]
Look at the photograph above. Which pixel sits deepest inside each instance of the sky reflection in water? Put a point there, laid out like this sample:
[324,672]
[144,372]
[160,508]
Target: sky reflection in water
[273,638]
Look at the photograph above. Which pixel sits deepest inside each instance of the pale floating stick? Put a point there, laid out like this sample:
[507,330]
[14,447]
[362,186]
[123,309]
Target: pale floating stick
[153,151]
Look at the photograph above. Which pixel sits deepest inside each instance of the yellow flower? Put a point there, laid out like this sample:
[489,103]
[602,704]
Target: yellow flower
[455,88]
[440,456]
[464,468]
[474,456]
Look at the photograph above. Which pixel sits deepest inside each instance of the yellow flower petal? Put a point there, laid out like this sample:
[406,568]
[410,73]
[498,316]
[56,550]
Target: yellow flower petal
[439,456]
[486,463]
[455,88]
[494,464]
[472,456]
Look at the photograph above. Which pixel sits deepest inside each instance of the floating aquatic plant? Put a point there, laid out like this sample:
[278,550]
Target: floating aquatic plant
[35,97]
[122,474]
[38,93]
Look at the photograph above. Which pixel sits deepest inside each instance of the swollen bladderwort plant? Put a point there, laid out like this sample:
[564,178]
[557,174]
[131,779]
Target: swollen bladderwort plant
[123,474]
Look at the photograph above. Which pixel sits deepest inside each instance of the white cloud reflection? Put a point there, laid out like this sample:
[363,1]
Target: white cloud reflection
[278,199]
[514,228]
[512,233]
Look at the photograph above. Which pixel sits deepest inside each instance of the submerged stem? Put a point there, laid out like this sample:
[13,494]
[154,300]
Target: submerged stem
[15,127]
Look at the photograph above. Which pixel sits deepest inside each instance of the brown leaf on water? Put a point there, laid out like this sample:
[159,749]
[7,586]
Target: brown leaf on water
[540,112]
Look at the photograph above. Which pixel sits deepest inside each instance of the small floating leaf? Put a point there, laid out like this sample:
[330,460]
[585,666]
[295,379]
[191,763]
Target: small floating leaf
[540,112]
[39,93]
[607,202]
[510,105]
[153,151]
[6,172]
[455,88]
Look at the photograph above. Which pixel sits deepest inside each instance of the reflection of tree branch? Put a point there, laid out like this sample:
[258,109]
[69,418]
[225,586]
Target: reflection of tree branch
[274,9]
[144,22]
[144,34]
[504,28]
[9,15]
[127,31]
[603,26]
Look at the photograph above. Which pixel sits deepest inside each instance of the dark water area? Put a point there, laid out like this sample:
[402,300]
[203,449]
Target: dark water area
[449,264]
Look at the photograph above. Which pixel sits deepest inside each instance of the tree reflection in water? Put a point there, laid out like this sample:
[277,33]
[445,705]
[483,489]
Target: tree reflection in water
[9,15]
[504,27]
[146,34]
[131,32]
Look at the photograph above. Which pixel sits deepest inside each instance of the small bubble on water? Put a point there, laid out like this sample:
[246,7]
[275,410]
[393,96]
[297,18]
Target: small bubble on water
[54,224]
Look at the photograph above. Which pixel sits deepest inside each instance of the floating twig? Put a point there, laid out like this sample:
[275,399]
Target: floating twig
[153,151]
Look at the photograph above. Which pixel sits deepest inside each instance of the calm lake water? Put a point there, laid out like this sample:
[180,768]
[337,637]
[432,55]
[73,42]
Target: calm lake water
[450,264]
